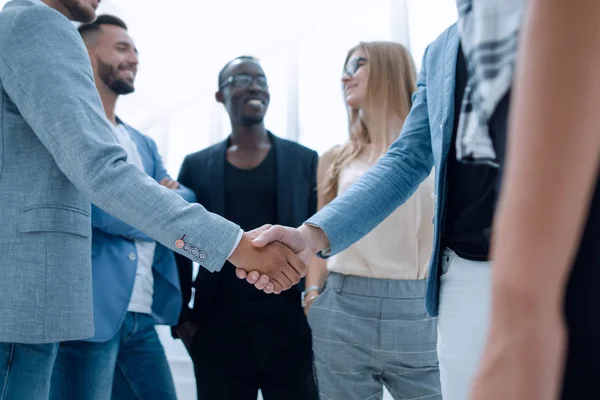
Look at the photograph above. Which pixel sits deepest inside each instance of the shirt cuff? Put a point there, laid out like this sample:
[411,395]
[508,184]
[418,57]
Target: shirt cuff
[323,253]
[237,241]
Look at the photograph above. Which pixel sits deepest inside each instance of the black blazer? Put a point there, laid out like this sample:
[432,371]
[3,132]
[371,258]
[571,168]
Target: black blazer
[204,173]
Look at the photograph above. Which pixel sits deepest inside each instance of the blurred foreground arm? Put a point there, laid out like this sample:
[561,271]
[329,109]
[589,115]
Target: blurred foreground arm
[552,163]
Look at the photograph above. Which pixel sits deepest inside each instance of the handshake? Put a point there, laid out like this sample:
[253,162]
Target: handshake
[274,258]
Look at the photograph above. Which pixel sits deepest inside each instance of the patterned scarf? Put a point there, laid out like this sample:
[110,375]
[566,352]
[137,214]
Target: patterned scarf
[489,31]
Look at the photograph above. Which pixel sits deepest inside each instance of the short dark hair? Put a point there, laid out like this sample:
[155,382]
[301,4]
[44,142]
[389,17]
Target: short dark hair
[243,58]
[86,30]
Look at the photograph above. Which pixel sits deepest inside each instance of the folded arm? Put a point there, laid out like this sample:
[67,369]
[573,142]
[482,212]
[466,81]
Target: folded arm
[161,174]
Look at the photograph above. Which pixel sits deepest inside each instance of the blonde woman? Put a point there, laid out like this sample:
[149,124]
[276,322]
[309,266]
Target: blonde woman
[370,326]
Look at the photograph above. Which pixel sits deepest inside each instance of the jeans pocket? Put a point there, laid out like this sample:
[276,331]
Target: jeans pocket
[447,258]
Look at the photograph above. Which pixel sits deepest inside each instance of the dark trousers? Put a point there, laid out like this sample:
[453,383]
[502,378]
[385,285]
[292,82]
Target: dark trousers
[234,359]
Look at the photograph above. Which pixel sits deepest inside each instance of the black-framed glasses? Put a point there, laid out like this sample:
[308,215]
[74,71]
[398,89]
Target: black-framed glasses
[244,80]
[353,65]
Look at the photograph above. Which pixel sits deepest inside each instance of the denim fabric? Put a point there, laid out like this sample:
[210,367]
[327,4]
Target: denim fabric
[25,370]
[132,365]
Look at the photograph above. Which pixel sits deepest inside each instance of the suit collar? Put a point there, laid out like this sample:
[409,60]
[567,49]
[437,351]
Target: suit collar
[283,180]
[449,82]
[216,173]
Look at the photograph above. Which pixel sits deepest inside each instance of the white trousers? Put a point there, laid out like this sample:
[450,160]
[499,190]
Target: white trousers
[463,321]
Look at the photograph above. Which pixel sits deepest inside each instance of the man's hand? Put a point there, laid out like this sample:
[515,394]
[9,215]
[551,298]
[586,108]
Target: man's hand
[261,282]
[283,268]
[297,239]
[305,241]
[169,183]
[309,299]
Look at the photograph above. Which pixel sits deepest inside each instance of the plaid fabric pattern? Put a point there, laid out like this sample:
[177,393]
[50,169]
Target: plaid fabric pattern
[489,31]
[368,333]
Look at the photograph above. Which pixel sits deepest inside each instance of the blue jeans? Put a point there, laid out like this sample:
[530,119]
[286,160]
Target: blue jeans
[132,365]
[25,370]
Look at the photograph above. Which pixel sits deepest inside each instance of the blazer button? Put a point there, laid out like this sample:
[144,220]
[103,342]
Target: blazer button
[201,256]
[131,256]
[195,251]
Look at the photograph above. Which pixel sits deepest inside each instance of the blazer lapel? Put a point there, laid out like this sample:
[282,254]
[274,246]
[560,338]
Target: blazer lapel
[449,79]
[216,175]
[283,180]
[143,149]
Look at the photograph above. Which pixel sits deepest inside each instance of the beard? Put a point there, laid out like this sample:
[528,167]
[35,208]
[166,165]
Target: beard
[109,75]
[79,12]
[121,86]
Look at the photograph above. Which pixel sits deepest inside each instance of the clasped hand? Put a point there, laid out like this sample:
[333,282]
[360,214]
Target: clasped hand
[272,258]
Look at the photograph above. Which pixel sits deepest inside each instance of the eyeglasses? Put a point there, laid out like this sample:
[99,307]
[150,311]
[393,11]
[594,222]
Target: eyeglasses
[353,65]
[244,80]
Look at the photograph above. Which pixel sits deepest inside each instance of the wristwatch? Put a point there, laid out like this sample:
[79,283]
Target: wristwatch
[311,298]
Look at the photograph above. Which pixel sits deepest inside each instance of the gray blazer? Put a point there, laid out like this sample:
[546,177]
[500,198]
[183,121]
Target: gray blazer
[57,154]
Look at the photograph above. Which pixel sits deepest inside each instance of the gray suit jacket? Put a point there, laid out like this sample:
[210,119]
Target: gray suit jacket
[57,154]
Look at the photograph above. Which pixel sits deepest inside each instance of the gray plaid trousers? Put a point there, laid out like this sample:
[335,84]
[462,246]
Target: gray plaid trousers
[368,333]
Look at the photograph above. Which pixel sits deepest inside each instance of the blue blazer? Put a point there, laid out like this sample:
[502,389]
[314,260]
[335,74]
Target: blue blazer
[423,143]
[114,259]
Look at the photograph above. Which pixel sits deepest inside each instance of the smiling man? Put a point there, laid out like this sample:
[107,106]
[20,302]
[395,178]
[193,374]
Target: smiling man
[248,340]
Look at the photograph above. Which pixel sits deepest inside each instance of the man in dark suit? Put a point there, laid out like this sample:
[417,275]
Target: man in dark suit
[249,340]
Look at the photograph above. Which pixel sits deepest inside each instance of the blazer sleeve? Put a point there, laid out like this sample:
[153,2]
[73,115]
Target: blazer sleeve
[45,70]
[109,224]
[387,185]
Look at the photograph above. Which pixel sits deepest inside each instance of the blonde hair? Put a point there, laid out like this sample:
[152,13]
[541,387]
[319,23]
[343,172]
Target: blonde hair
[390,84]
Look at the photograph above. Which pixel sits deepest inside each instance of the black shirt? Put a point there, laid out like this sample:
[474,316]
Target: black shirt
[582,301]
[250,198]
[250,202]
[582,305]
[471,192]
